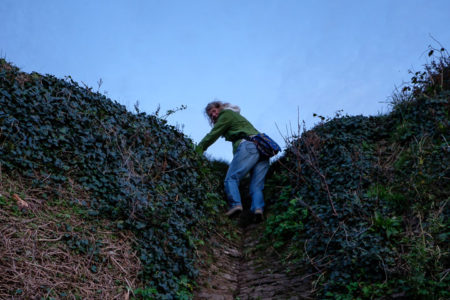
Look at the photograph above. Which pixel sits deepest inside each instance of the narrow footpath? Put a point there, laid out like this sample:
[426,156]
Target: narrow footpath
[241,271]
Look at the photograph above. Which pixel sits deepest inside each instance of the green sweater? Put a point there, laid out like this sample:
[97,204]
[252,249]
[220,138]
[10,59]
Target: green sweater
[232,126]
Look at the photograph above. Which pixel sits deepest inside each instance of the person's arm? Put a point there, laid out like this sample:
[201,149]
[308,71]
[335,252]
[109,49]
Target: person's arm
[219,128]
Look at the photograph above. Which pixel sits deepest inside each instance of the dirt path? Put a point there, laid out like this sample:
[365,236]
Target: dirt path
[241,271]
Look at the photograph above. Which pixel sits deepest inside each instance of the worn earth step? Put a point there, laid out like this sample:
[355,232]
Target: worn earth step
[242,272]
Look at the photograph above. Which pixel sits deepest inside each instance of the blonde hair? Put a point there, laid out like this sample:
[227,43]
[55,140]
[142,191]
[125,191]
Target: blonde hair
[220,106]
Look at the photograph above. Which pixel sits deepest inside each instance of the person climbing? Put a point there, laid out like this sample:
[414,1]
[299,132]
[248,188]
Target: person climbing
[228,122]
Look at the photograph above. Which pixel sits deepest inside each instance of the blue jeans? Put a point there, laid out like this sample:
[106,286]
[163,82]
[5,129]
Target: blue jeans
[246,159]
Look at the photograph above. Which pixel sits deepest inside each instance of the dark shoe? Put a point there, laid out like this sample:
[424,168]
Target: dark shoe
[259,216]
[234,211]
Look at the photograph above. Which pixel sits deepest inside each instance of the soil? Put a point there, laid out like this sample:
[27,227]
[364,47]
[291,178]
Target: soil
[239,270]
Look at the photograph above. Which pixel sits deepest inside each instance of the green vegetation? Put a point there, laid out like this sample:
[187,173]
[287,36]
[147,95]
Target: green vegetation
[376,190]
[361,201]
[134,169]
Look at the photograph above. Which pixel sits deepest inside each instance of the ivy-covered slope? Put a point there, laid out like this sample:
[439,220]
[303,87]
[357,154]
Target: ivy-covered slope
[138,171]
[364,200]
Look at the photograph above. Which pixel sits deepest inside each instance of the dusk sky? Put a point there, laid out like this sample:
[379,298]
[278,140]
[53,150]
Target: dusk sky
[274,59]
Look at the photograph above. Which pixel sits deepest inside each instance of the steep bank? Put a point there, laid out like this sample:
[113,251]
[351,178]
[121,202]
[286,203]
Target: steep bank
[97,202]
[363,201]
[132,169]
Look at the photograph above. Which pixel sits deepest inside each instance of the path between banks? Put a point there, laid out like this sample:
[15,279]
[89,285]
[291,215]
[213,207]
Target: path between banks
[241,271]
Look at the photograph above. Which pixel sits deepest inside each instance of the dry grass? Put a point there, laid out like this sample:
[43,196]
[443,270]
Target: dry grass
[36,261]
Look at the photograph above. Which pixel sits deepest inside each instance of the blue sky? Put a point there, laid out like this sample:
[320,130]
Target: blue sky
[275,59]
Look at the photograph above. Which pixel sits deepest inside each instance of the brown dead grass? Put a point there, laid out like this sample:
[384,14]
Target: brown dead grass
[36,261]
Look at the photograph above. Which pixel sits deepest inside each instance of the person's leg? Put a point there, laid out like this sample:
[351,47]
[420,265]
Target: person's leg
[257,184]
[244,160]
